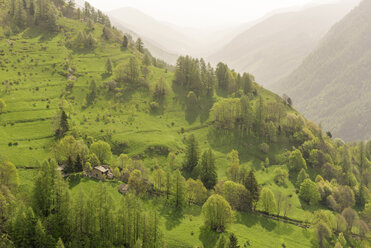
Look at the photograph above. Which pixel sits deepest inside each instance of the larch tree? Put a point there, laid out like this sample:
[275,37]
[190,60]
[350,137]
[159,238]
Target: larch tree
[136,181]
[159,178]
[234,167]
[179,193]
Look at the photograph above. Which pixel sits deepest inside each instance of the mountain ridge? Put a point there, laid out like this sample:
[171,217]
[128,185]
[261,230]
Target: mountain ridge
[274,47]
[332,84]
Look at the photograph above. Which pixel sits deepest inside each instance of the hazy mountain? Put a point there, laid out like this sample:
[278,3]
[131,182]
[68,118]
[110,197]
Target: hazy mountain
[169,38]
[155,49]
[333,84]
[167,41]
[274,47]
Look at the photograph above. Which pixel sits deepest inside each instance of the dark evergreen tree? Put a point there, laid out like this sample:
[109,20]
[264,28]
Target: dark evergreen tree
[125,42]
[251,184]
[78,164]
[90,97]
[208,174]
[62,125]
[109,66]
[20,14]
[233,242]
[191,154]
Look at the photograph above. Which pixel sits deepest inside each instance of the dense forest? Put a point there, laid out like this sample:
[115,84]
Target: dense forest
[103,145]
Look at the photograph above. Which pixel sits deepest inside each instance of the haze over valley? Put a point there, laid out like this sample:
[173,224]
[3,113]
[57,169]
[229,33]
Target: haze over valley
[208,124]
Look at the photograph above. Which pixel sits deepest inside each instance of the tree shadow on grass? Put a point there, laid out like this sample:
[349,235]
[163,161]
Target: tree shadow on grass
[268,224]
[208,237]
[172,216]
[247,219]
[191,115]
[283,229]
[39,31]
[105,75]
[193,210]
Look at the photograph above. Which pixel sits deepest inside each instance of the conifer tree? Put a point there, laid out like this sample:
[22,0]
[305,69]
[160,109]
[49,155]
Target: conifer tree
[20,14]
[208,174]
[63,125]
[179,190]
[109,66]
[41,239]
[43,189]
[191,154]
[234,168]
[60,243]
[251,184]
[139,45]
[90,97]
[125,42]
[233,242]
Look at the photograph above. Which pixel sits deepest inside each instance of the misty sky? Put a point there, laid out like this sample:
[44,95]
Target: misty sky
[193,13]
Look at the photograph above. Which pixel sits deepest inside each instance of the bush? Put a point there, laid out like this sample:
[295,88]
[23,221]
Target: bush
[264,147]
[280,176]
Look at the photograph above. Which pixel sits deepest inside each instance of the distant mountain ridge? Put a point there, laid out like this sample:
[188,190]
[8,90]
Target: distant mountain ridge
[274,47]
[144,25]
[168,41]
[333,84]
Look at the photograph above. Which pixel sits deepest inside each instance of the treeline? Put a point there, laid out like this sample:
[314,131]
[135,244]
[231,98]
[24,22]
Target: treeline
[242,109]
[194,75]
[52,217]
[44,13]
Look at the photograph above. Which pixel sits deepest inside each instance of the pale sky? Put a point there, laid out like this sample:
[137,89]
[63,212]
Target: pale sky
[190,13]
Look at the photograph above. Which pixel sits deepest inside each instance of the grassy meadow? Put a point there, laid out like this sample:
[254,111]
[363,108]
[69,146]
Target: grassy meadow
[33,78]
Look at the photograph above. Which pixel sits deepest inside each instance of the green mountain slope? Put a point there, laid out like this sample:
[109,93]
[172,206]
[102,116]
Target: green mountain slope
[333,86]
[77,96]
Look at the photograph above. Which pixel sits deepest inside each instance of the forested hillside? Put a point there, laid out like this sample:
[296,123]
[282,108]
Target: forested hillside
[276,46]
[103,145]
[332,86]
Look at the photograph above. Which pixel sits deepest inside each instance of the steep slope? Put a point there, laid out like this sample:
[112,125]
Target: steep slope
[274,47]
[333,85]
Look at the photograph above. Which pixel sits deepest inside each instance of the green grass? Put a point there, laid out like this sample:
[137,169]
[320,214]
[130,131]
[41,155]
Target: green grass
[34,68]
[188,230]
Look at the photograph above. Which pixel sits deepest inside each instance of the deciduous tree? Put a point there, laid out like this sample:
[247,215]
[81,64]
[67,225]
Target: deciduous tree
[267,201]
[217,213]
